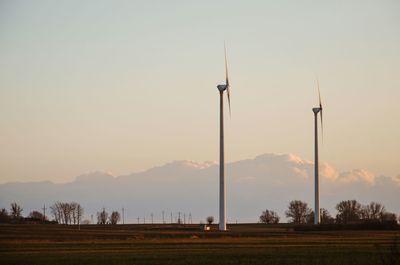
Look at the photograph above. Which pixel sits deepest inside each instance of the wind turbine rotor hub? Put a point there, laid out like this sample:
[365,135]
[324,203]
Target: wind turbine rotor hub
[222,88]
[316,110]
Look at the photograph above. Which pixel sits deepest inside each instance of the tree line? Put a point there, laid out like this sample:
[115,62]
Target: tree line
[104,218]
[298,212]
[67,213]
[348,212]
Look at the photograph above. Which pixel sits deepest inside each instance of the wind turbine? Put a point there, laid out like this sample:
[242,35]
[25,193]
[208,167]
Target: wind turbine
[222,186]
[317,110]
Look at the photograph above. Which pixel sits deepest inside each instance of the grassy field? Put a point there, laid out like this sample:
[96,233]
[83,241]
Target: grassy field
[166,244]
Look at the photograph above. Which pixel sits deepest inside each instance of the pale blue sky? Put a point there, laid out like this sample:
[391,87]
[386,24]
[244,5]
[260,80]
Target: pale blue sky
[126,85]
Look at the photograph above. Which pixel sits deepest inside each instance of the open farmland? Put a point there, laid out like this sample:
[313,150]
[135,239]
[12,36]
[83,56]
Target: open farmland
[166,244]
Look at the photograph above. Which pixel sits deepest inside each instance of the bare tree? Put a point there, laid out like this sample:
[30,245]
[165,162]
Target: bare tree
[269,217]
[388,217]
[326,217]
[372,211]
[102,217]
[79,213]
[298,212]
[115,217]
[210,219]
[56,211]
[72,212]
[67,213]
[310,217]
[4,218]
[36,215]
[15,211]
[348,211]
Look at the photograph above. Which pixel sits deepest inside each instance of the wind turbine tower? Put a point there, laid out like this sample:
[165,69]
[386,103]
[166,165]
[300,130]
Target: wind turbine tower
[317,218]
[222,186]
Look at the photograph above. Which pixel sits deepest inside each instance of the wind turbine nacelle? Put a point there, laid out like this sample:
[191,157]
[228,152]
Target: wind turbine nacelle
[316,110]
[221,87]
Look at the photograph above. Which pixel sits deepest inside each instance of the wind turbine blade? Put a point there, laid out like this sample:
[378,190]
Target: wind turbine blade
[322,127]
[227,80]
[319,94]
[320,107]
[229,99]
[226,67]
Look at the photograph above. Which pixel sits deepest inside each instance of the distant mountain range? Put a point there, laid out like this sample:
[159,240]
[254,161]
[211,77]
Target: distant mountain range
[267,181]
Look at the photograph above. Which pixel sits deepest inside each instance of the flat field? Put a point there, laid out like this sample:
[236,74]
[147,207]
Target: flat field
[177,244]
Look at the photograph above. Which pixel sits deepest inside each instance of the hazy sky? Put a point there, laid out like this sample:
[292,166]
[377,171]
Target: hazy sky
[126,85]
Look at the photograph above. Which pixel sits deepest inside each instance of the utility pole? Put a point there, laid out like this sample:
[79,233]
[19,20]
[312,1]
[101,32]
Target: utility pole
[190,218]
[144,219]
[138,220]
[163,220]
[171,218]
[44,212]
[184,218]
[123,216]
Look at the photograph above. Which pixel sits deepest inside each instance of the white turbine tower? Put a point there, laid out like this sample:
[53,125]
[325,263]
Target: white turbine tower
[222,186]
[317,110]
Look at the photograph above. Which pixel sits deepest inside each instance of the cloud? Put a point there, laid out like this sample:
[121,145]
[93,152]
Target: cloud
[199,165]
[266,181]
[357,175]
[296,159]
[287,168]
[397,179]
[95,176]
[328,172]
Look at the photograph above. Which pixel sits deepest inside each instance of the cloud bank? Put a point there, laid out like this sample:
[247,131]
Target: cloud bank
[266,181]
